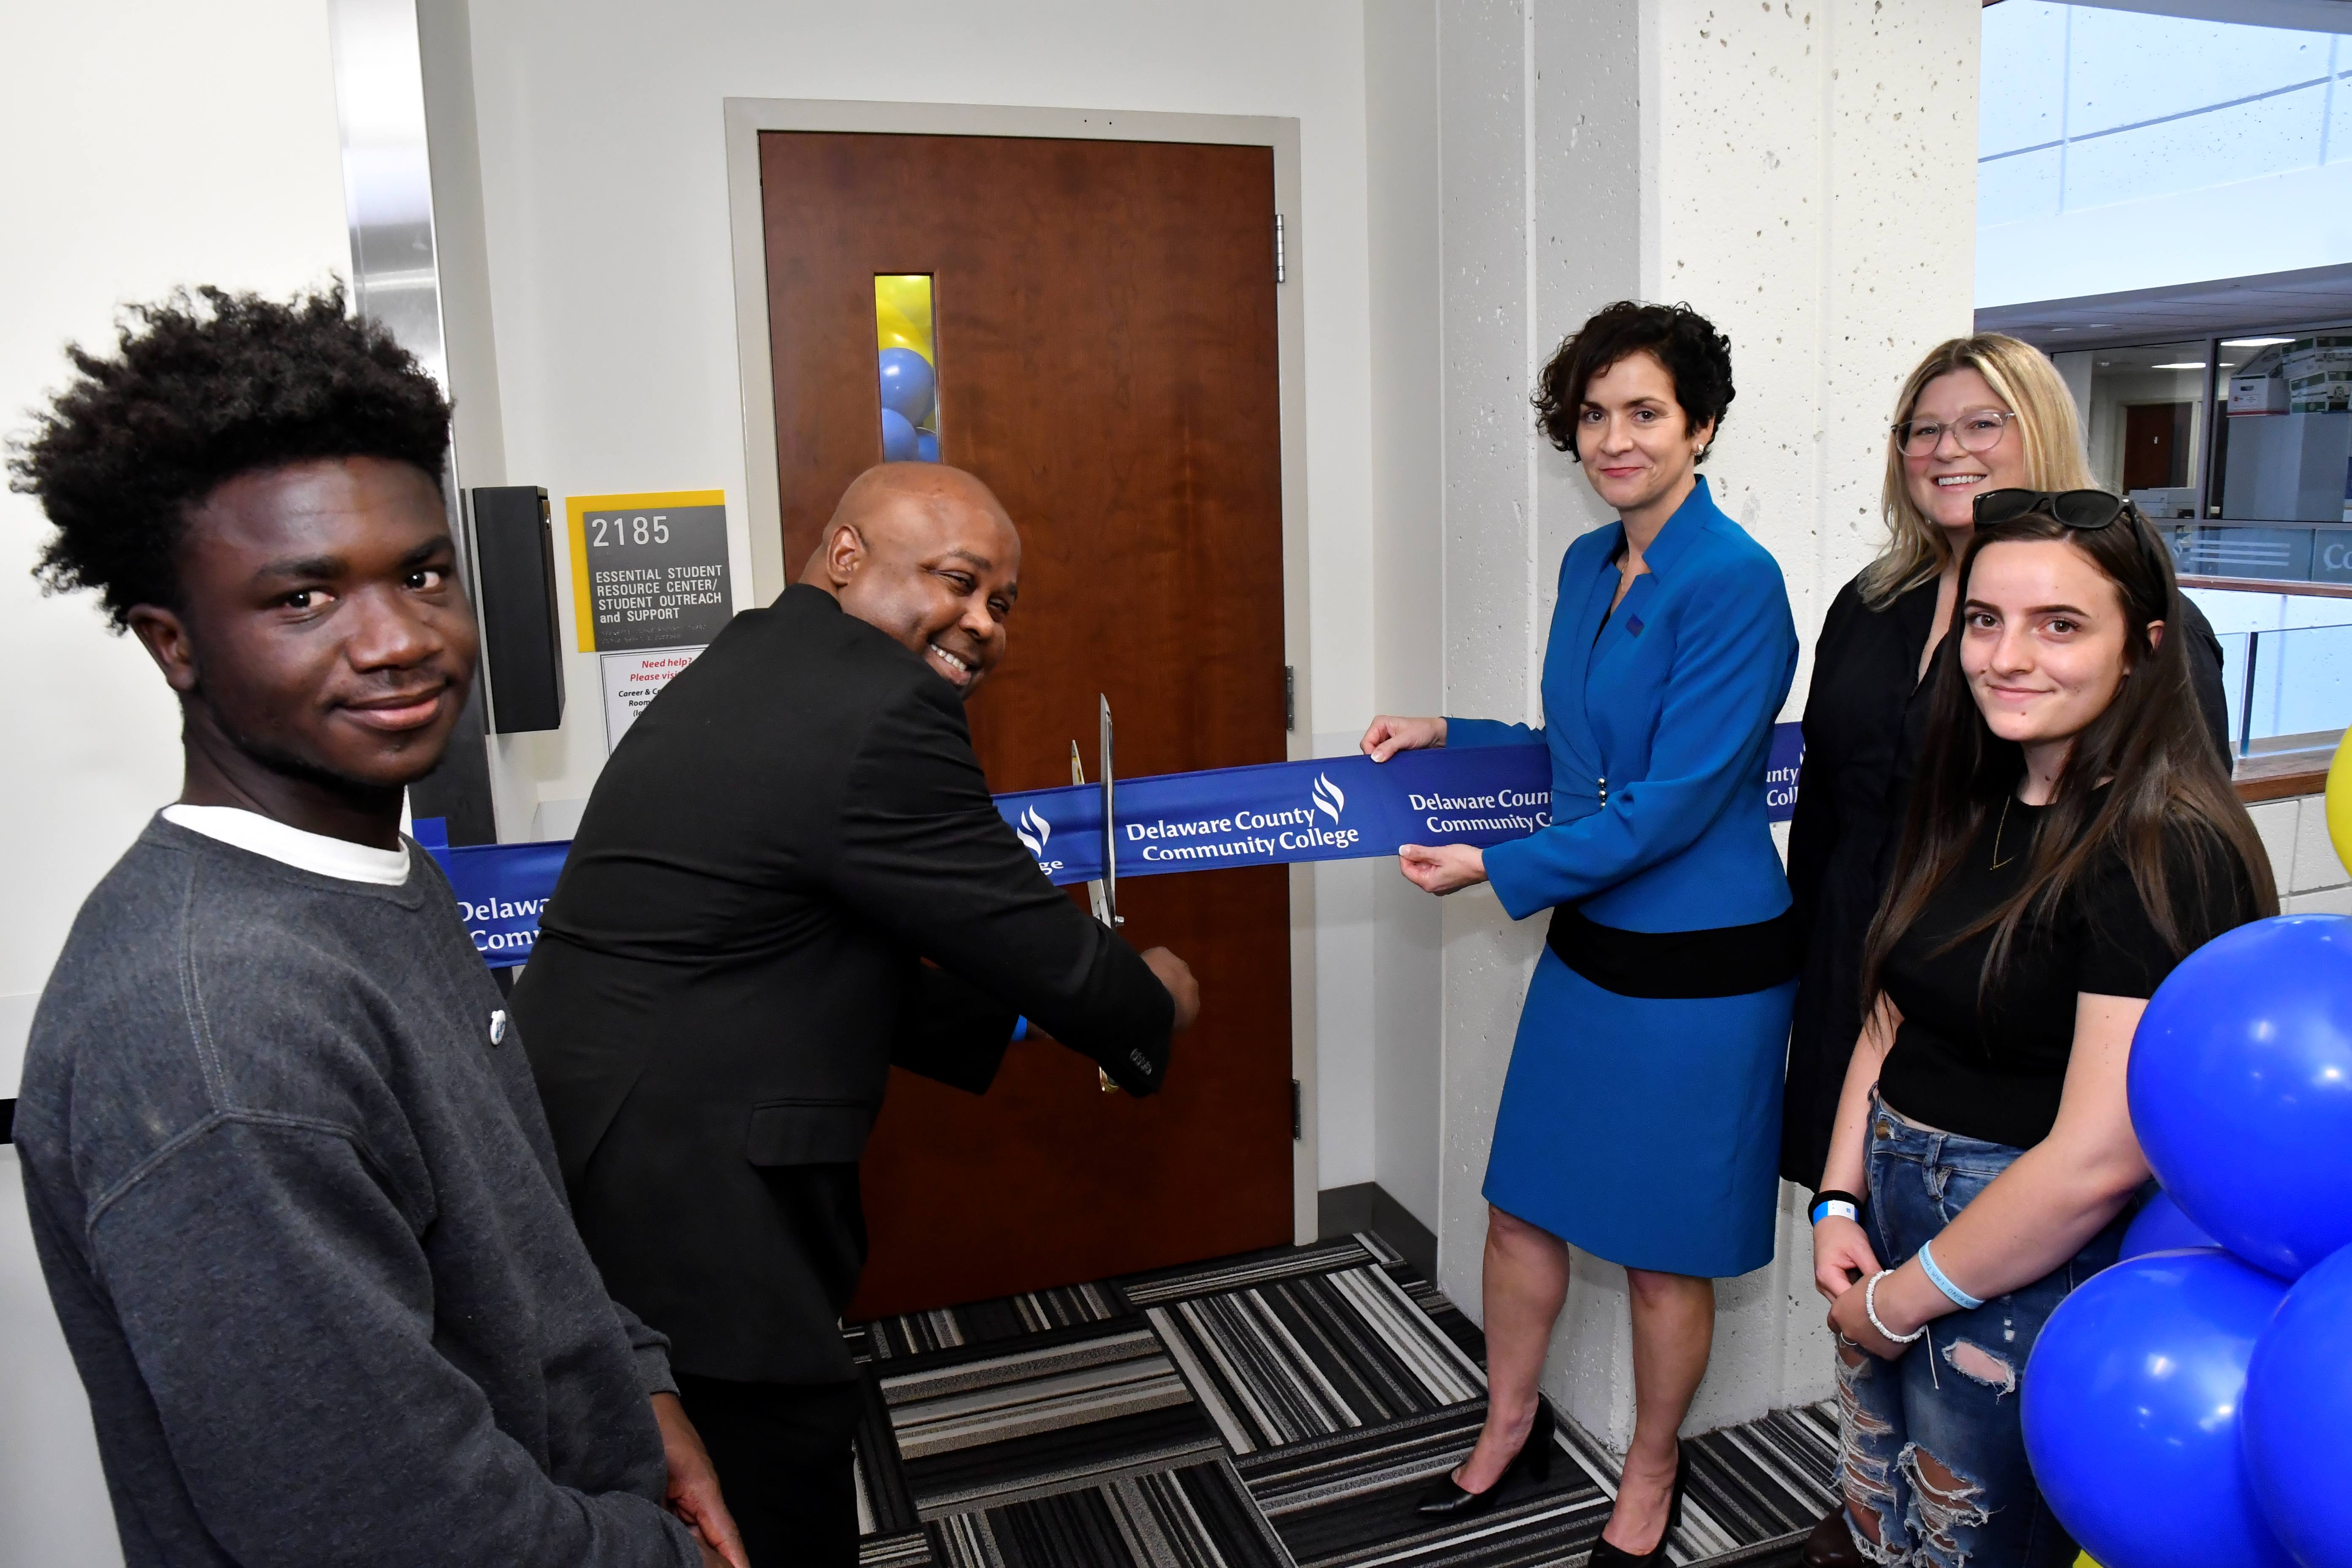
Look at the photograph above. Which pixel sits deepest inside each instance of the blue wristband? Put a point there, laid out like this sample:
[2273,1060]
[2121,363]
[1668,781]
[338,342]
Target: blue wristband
[1833,1201]
[1937,1277]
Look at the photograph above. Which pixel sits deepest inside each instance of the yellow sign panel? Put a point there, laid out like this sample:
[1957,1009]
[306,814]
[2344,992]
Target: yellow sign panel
[650,570]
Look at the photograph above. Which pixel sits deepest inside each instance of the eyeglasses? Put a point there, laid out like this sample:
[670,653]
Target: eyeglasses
[1976,429]
[2072,509]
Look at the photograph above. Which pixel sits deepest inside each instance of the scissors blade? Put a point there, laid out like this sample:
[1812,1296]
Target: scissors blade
[1109,827]
[1095,900]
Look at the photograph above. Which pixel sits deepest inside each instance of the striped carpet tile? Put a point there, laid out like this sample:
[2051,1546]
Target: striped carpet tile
[885,1505]
[1279,1410]
[1448,1317]
[1008,1317]
[1348,1501]
[1309,1356]
[1754,1487]
[976,1430]
[1249,1268]
[910,1551]
[1192,1517]
[1768,1479]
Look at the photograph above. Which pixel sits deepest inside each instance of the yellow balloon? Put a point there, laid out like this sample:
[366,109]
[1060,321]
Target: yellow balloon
[908,293]
[2339,800]
[893,330]
[2085,1560]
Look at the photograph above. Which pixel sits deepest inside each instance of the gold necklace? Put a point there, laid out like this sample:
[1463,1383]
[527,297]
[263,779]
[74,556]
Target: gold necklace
[1998,828]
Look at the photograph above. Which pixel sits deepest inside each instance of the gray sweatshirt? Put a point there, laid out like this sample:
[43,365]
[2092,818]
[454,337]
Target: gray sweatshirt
[295,1199]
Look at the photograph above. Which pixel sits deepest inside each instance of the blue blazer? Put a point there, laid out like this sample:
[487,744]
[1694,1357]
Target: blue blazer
[1669,714]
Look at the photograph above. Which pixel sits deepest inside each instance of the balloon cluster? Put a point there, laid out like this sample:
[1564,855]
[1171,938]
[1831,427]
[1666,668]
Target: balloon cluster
[2193,1404]
[902,322]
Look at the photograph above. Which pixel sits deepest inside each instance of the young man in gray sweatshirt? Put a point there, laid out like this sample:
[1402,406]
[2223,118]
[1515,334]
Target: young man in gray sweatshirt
[288,1176]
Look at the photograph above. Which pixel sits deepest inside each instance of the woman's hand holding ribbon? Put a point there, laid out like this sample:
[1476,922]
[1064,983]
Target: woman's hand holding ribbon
[1389,734]
[1443,868]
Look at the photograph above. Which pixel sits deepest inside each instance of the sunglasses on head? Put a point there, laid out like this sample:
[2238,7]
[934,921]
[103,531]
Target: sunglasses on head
[2071,509]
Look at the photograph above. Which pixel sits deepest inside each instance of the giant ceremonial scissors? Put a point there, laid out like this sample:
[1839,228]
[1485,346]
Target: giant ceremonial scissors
[1102,892]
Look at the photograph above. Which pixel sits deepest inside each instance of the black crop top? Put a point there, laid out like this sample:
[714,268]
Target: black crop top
[1991,1066]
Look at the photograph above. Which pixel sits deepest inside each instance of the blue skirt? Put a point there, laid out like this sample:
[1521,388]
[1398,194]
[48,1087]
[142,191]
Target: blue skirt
[1646,1131]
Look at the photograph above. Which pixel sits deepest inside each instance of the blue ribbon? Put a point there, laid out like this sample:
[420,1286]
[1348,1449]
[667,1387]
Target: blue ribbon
[1324,808]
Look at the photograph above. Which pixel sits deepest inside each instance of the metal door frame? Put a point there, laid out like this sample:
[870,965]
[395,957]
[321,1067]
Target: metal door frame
[747,117]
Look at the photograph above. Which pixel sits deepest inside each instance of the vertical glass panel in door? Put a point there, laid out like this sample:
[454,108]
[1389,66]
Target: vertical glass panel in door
[908,362]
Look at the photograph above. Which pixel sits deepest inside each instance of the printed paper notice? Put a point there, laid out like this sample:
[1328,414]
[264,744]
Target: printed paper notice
[632,680]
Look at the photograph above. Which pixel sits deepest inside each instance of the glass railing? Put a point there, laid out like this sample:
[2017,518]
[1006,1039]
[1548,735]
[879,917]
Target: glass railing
[2268,551]
[2290,692]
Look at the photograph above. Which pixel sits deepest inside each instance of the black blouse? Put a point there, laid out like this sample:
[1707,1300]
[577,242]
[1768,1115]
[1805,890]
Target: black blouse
[1989,1061]
[1865,723]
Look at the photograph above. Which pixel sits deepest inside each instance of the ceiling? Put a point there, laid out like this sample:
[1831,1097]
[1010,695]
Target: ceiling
[2316,296]
[2315,16]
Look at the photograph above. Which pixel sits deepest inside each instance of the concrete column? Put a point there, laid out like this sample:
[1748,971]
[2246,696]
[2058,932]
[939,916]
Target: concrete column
[1407,387]
[1803,174]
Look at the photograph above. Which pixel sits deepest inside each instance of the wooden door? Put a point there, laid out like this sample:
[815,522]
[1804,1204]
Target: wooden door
[1106,349]
[2155,445]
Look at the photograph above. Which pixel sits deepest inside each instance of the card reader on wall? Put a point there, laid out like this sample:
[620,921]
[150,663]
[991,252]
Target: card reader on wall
[514,553]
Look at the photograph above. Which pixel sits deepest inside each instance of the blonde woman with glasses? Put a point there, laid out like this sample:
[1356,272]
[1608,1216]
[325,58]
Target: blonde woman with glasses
[1979,413]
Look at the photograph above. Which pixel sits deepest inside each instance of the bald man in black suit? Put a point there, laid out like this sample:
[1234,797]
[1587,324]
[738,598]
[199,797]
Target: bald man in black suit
[734,958]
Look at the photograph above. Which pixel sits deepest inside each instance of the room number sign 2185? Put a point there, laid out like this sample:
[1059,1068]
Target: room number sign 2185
[639,530]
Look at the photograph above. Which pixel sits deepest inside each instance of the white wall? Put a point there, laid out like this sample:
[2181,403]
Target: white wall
[1408,479]
[2311,880]
[1762,165]
[151,145]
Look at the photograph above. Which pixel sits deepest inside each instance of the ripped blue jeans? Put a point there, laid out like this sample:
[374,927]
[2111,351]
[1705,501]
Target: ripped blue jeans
[1934,1450]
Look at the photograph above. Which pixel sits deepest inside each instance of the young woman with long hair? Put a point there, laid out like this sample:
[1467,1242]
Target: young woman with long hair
[2071,836]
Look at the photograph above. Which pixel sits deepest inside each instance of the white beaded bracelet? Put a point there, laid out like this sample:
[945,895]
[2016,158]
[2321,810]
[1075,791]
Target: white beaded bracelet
[1870,1309]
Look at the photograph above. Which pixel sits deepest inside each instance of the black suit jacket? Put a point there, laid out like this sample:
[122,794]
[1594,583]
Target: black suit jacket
[733,957]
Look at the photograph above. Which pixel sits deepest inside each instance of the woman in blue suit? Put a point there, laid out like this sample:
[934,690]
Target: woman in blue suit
[1641,1116]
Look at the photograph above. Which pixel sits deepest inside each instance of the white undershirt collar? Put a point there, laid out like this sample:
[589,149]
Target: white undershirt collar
[314,852]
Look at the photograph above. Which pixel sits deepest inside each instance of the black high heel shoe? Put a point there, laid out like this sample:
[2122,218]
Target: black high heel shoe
[1445,1500]
[1607,1554]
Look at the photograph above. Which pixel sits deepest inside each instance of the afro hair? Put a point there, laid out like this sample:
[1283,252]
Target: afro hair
[203,388]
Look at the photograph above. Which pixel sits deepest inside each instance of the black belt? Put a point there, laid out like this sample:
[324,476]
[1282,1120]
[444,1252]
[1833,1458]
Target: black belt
[1722,961]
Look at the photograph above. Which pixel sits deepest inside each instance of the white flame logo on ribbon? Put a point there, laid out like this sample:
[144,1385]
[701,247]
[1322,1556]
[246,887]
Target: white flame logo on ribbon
[1033,830]
[1328,798]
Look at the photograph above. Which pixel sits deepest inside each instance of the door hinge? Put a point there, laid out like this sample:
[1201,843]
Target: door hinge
[1297,1113]
[1289,697]
[1281,267]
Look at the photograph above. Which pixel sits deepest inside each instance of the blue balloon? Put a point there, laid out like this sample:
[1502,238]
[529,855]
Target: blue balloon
[2241,1090]
[907,385]
[2298,1418]
[898,444]
[2132,1398]
[927,446]
[2160,1228]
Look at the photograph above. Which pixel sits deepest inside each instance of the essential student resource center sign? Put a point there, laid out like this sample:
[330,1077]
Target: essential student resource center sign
[650,589]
